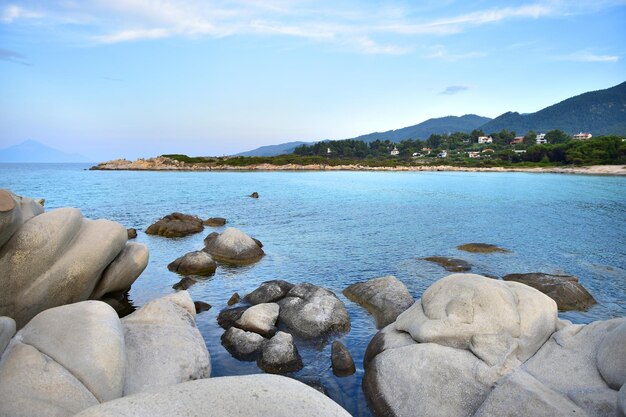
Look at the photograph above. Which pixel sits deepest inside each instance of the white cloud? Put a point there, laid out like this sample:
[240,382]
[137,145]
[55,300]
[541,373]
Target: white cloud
[12,12]
[133,35]
[586,56]
[440,52]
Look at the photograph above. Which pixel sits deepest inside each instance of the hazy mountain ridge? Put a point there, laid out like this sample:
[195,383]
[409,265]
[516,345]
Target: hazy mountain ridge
[33,151]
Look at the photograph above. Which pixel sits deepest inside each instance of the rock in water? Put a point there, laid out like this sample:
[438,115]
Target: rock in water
[564,289]
[254,195]
[233,246]
[311,311]
[384,297]
[243,345]
[341,359]
[234,299]
[193,263]
[201,306]
[259,319]
[229,316]
[215,221]
[450,264]
[480,248]
[132,233]
[176,225]
[280,355]
[250,395]
[184,284]
[269,291]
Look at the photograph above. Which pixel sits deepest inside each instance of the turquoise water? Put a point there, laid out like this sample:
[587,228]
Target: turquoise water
[337,228]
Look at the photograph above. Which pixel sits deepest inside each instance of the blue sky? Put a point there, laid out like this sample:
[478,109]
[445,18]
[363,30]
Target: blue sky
[139,78]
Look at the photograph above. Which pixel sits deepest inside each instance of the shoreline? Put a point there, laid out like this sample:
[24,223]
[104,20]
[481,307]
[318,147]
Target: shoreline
[166,164]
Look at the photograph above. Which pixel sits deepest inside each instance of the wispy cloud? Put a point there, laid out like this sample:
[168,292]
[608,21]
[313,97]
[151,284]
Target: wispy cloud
[13,12]
[454,89]
[12,56]
[586,56]
[440,52]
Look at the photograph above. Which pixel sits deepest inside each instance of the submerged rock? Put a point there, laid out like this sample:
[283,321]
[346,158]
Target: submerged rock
[450,264]
[176,225]
[215,221]
[384,297]
[341,360]
[254,195]
[193,263]
[233,246]
[269,291]
[184,283]
[280,355]
[568,293]
[480,248]
[260,319]
[243,345]
[311,311]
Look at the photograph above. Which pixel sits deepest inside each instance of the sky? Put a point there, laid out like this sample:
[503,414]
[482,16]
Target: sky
[140,78]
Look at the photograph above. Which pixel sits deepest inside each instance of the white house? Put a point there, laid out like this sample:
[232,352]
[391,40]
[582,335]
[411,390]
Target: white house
[541,139]
[442,154]
[485,139]
[473,154]
[328,151]
[395,151]
[582,136]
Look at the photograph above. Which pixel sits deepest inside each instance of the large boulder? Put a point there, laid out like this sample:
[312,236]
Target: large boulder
[243,345]
[311,311]
[384,297]
[163,344]
[123,271]
[227,317]
[611,357]
[260,319]
[176,225]
[387,338]
[280,355]
[232,396]
[269,292]
[193,263]
[14,212]
[55,258]
[568,293]
[233,246]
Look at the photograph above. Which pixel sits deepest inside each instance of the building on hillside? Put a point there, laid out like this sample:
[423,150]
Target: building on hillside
[517,140]
[485,139]
[395,151]
[442,154]
[416,155]
[328,151]
[427,151]
[582,136]
[473,154]
[541,139]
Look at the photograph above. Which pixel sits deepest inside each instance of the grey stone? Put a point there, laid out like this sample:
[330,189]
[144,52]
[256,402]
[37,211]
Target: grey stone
[201,306]
[611,357]
[193,263]
[568,293]
[387,338]
[215,221]
[243,345]
[621,401]
[384,297]
[163,344]
[123,271]
[311,311]
[7,330]
[233,246]
[280,355]
[15,211]
[229,316]
[234,396]
[269,291]
[260,319]
[176,225]
[341,360]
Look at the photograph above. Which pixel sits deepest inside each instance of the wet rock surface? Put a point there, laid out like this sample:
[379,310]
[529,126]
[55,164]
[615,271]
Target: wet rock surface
[269,291]
[341,360]
[243,345]
[176,225]
[280,355]
[480,248]
[450,264]
[193,263]
[215,222]
[233,246]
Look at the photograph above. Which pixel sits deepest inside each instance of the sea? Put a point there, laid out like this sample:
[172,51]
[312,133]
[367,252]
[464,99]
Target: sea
[337,228]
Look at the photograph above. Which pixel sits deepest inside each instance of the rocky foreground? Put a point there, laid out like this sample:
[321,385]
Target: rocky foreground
[470,346]
[162,163]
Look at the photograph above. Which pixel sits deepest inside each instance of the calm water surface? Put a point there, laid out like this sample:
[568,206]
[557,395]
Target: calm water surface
[337,228]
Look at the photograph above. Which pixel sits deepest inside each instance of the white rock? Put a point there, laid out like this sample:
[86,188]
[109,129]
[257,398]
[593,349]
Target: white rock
[611,357]
[15,211]
[123,271]
[260,319]
[241,344]
[7,330]
[280,355]
[233,246]
[234,396]
[621,401]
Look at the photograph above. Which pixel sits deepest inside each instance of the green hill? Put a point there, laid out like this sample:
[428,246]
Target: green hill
[601,112]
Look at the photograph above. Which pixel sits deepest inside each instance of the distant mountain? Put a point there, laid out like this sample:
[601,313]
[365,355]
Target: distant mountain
[273,150]
[601,112]
[33,151]
[423,130]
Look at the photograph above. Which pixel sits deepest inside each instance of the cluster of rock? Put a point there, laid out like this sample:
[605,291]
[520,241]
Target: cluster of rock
[306,310]
[477,346]
[48,259]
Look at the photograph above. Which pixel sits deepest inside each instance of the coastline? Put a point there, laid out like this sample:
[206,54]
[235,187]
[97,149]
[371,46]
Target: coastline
[166,164]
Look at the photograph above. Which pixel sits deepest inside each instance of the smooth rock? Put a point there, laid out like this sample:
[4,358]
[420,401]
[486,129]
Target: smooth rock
[131,233]
[611,357]
[234,299]
[176,225]
[184,283]
[280,355]
[425,379]
[480,248]
[311,311]
[215,221]
[568,293]
[269,291]
[201,306]
[193,263]
[233,246]
[234,396]
[502,323]
[341,360]
[384,297]
[387,338]
[450,264]
[243,345]
[229,316]
[7,330]
[260,319]
[123,271]
[621,401]
[55,258]
[14,212]
[163,344]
